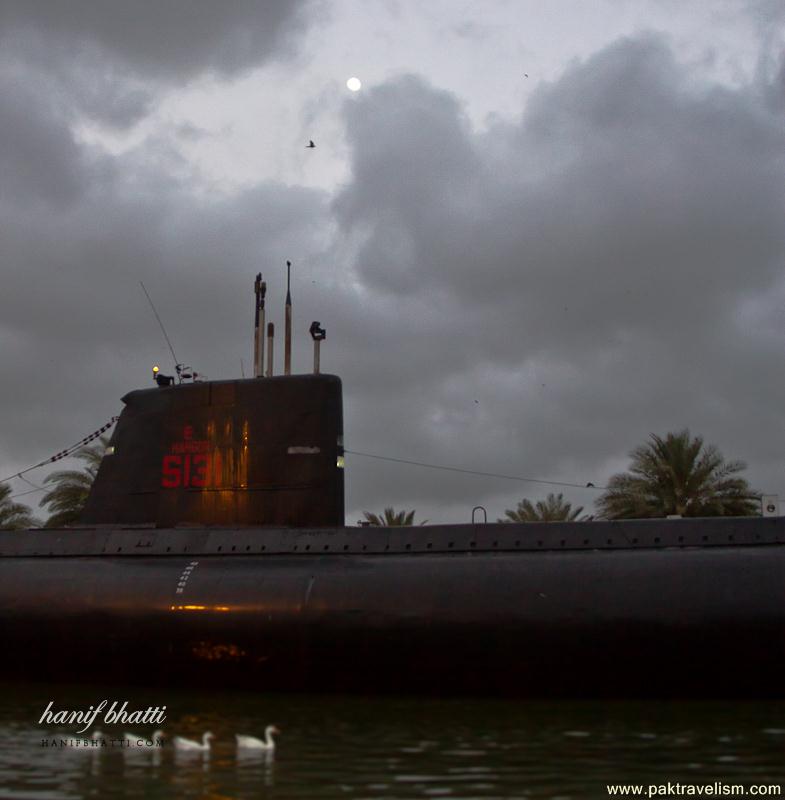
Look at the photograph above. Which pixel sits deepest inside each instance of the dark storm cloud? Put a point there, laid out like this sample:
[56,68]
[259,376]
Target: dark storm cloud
[620,180]
[578,272]
[173,41]
[39,160]
[109,58]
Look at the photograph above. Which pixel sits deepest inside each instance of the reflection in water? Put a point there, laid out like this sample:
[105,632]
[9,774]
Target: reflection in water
[346,747]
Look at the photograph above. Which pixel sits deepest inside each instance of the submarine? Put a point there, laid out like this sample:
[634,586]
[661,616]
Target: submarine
[213,551]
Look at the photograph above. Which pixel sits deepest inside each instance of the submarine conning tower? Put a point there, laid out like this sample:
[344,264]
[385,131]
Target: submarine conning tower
[245,452]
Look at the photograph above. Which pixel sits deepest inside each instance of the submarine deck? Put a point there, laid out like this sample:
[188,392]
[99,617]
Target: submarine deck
[114,540]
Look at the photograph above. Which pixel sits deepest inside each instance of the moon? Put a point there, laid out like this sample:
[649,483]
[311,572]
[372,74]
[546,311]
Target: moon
[354,84]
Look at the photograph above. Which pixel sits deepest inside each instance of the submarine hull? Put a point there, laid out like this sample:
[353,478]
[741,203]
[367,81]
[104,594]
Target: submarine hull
[668,608]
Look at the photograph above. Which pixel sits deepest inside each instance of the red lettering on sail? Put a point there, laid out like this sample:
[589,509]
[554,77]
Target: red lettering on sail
[188,464]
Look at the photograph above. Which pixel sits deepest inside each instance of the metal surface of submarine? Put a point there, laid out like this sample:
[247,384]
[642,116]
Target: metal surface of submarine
[213,550]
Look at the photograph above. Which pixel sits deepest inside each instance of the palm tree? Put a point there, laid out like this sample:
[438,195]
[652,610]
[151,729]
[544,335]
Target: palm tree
[678,475]
[14,515]
[552,509]
[69,495]
[391,518]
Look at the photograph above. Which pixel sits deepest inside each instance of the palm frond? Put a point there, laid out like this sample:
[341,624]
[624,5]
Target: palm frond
[14,516]
[390,518]
[553,509]
[71,488]
[678,474]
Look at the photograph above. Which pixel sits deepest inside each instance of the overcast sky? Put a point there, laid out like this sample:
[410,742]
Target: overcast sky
[518,275]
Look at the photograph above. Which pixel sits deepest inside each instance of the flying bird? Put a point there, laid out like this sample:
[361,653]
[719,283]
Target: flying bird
[310,144]
[589,485]
[525,74]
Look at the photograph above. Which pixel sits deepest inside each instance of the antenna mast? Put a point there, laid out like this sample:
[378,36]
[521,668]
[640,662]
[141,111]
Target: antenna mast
[163,330]
[287,347]
[260,289]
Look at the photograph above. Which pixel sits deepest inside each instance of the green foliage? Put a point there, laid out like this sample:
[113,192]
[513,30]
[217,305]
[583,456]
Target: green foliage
[71,487]
[678,475]
[391,518]
[14,515]
[552,509]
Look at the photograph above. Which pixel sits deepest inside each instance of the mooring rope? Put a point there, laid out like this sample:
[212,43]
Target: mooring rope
[63,453]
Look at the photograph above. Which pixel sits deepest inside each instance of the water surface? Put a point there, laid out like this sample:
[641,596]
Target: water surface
[379,747]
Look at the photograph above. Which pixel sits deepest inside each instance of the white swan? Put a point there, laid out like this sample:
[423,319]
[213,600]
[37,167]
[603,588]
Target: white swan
[188,745]
[252,743]
[133,742]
